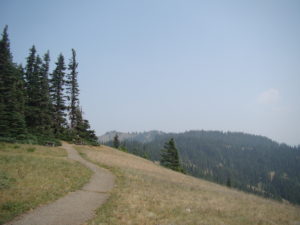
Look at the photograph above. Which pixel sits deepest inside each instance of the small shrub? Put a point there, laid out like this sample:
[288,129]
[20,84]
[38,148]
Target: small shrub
[16,146]
[32,149]
[12,206]
[123,148]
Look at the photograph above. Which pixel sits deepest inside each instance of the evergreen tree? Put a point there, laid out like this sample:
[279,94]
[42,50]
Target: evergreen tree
[29,70]
[228,183]
[21,92]
[45,104]
[30,66]
[116,141]
[57,83]
[30,101]
[169,156]
[32,75]
[21,95]
[73,90]
[38,103]
[12,122]
[82,129]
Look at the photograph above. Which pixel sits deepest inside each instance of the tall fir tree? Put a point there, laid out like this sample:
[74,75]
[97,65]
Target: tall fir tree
[73,90]
[57,83]
[38,102]
[45,104]
[32,76]
[29,100]
[12,122]
[170,157]
[21,92]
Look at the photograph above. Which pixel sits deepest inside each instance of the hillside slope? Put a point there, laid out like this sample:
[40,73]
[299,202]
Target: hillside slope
[146,193]
[253,163]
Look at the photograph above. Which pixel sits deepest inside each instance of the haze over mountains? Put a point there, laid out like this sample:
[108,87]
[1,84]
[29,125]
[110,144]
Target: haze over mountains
[135,136]
[248,162]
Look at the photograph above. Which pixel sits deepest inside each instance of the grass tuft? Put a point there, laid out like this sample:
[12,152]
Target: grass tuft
[30,149]
[5,180]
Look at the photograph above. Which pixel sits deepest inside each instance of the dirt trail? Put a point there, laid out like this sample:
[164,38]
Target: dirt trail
[76,207]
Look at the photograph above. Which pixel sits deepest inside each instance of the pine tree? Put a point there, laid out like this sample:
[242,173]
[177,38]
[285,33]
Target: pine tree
[29,100]
[38,102]
[21,92]
[57,83]
[82,130]
[45,104]
[73,90]
[12,122]
[170,157]
[116,141]
[228,182]
[32,75]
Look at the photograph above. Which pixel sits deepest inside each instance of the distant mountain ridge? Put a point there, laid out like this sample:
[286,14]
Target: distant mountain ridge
[251,163]
[143,137]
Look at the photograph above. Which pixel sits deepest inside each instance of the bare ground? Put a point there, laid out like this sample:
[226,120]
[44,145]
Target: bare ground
[76,207]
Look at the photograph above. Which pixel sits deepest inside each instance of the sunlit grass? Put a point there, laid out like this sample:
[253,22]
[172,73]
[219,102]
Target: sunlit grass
[33,175]
[149,194]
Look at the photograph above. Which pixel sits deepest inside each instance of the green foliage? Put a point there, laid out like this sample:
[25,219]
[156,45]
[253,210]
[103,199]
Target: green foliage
[170,157]
[116,142]
[11,208]
[57,83]
[73,91]
[33,108]
[45,104]
[123,148]
[12,121]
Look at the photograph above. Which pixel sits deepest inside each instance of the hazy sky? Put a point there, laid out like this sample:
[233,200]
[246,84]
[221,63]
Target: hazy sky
[173,65]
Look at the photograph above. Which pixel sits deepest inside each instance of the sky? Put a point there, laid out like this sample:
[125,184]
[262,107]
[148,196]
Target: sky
[173,65]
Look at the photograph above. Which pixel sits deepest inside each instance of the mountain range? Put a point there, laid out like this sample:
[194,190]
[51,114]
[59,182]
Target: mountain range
[247,162]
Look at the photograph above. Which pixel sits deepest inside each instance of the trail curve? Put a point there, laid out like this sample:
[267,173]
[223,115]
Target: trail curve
[76,207]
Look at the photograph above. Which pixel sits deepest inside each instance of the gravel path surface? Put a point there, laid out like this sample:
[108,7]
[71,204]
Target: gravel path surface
[76,207]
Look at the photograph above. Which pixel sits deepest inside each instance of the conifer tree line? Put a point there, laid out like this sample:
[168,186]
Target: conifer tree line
[37,105]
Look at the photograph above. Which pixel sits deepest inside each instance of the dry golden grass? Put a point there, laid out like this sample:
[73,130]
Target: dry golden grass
[33,175]
[149,194]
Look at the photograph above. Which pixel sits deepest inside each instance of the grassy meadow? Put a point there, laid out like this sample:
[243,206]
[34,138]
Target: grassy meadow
[147,194]
[31,175]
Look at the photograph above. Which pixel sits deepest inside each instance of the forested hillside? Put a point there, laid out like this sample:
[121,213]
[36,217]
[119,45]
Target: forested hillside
[248,162]
[38,106]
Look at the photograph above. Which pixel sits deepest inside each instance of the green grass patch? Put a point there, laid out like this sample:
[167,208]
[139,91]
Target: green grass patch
[5,180]
[30,149]
[30,176]
[36,149]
